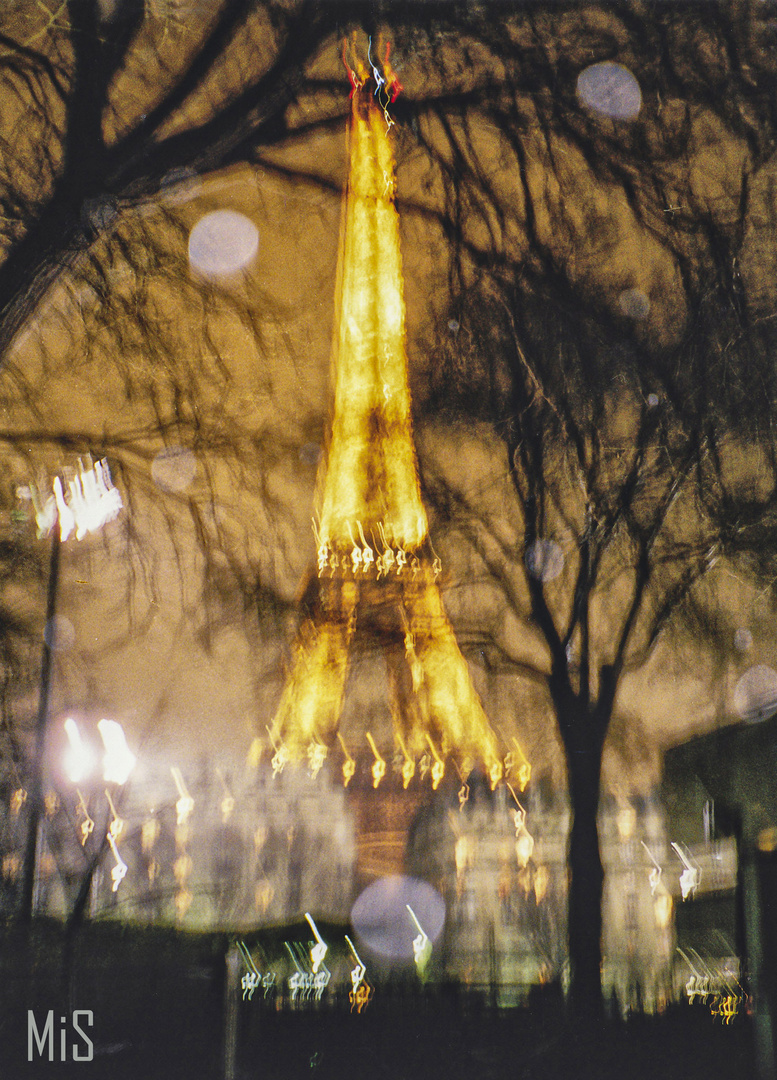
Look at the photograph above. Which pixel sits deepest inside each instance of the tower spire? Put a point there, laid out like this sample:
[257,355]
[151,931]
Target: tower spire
[374,552]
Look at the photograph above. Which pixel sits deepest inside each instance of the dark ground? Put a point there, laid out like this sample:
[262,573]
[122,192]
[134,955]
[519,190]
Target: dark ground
[158,1004]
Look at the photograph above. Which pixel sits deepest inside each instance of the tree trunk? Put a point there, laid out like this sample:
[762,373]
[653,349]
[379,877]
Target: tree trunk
[586,878]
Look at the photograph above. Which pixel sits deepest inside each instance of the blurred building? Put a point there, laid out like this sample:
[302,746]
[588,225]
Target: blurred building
[721,793]
[213,849]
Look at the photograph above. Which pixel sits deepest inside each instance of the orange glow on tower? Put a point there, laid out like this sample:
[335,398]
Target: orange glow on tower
[374,553]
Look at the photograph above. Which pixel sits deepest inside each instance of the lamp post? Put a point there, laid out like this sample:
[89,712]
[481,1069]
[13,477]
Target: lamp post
[90,502]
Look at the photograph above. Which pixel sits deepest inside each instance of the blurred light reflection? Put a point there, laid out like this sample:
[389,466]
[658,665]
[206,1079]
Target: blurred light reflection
[611,90]
[380,916]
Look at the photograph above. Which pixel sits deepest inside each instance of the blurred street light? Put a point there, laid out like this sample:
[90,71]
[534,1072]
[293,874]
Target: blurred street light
[79,758]
[84,504]
[119,760]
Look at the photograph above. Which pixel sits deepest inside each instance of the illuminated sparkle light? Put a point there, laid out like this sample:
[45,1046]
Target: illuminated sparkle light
[349,765]
[316,758]
[307,982]
[358,972]
[422,946]
[517,763]
[222,243]
[654,875]
[119,870]
[117,824]
[408,764]
[721,985]
[319,950]
[611,90]
[379,764]
[87,825]
[185,804]
[691,875]
[524,841]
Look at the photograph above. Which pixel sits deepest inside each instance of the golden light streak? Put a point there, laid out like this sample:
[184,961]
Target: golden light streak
[516,760]
[357,973]
[422,946]
[408,765]
[149,834]
[319,950]
[438,768]
[316,758]
[541,880]
[654,875]
[379,764]
[663,906]
[691,875]
[372,473]
[227,802]
[183,901]
[87,825]
[280,756]
[185,804]
[463,792]
[116,826]
[119,871]
[309,710]
[254,755]
[524,841]
[349,765]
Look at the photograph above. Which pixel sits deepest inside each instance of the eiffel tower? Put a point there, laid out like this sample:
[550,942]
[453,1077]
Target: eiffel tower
[377,572]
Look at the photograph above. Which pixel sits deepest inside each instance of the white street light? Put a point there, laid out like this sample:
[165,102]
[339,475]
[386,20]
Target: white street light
[79,758]
[119,760]
[90,502]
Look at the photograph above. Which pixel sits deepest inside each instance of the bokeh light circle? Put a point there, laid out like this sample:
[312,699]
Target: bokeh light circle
[544,560]
[310,453]
[59,634]
[611,90]
[755,695]
[174,468]
[634,303]
[223,242]
[382,922]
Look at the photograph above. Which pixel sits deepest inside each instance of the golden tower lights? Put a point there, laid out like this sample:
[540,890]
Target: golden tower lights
[377,573]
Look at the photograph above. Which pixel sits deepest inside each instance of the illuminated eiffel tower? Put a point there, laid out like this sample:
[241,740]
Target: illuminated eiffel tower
[377,572]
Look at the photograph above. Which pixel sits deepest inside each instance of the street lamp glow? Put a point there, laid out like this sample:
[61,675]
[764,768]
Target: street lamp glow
[90,502]
[119,759]
[79,758]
